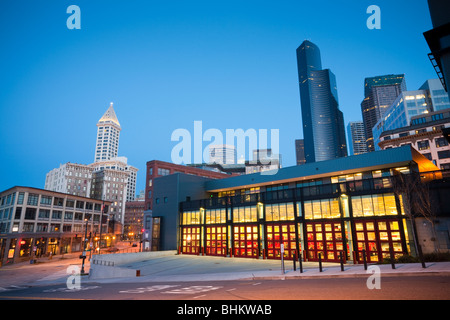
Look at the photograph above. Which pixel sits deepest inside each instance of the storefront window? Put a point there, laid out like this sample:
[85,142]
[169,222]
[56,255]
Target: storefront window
[25,247]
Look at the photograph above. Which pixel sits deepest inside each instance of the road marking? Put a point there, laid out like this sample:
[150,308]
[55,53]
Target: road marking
[71,290]
[149,289]
[192,290]
[12,287]
[231,289]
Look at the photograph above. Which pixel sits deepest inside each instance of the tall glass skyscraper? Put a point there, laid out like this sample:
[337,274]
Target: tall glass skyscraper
[379,94]
[323,122]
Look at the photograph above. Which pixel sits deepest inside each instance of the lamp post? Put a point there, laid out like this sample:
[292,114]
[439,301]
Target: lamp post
[83,255]
[101,227]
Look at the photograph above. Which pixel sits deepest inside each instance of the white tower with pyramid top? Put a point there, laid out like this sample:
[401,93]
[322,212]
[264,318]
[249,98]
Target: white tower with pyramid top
[108,131]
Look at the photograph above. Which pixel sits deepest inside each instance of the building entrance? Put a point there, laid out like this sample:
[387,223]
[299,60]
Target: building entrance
[245,241]
[277,234]
[324,238]
[377,238]
[216,240]
[191,240]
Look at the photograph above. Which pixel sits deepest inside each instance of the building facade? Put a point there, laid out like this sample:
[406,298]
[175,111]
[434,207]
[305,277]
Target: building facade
[36,222]
[379,94]
[300,152]
[134,219]
[425,134]
[437,94]
[71,178]
[438,40]
[350,206]
[152,223]
[120,164]
[111,185]
[407,105]
[323,122]
[156,168]
[356,138]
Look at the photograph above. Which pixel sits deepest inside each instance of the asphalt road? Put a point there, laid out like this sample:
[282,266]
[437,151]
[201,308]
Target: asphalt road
[392,288]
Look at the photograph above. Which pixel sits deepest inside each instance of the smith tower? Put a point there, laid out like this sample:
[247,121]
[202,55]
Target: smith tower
[323,122]
[108,131]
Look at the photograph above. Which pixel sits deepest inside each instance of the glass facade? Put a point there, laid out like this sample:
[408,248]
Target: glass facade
[407,105]
[323,122]
[348,215]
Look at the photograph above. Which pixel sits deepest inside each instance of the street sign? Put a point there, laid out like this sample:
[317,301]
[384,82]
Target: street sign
[282,248]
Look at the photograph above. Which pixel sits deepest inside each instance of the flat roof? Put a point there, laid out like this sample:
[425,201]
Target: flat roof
[395,157]
[55,193]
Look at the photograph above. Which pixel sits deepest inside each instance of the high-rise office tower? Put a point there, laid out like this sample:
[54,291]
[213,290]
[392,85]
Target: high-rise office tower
[356,138]
[379,94]
[108,131]
[300,152]
[323,122]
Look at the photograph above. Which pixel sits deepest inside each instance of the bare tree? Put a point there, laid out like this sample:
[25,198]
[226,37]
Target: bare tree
[415,196]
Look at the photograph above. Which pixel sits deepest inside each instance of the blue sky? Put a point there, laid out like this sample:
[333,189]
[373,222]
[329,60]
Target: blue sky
[165,64]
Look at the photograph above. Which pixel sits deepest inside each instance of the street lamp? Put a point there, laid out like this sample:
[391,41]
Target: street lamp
[83,255]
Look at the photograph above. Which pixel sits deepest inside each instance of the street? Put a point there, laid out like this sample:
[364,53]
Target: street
[398,288]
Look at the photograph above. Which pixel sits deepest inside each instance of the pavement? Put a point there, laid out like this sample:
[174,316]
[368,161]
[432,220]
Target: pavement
[182,268]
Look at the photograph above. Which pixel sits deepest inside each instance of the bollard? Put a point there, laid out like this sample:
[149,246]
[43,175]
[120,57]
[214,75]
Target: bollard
[320,262]
[391,252]
[364,259]
[341,260]
[300,263]
[294,258]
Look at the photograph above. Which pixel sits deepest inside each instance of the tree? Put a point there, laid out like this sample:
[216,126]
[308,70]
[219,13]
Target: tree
[414,192]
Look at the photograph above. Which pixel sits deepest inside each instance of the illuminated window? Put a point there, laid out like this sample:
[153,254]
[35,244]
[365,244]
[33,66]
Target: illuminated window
[245,214]
[213,216]
[191,217]
[280,211]
[374,205]
[322,209]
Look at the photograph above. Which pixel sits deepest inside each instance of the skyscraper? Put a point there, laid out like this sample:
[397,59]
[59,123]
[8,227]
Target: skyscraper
[300,152]
[108,132]
[379,94]
[356,138]
[323,122]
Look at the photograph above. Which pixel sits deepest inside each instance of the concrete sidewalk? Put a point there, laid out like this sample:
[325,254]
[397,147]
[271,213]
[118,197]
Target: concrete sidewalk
[182,268]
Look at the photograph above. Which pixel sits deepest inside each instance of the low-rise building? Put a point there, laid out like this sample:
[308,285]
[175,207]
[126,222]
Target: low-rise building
[354,206]
[36,222]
